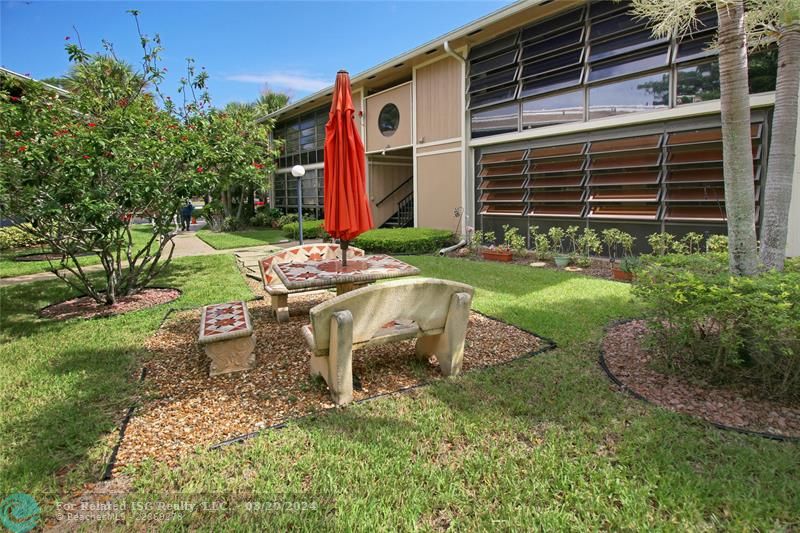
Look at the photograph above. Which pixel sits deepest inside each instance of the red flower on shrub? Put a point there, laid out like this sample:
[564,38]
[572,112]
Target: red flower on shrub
[258,165]
[122,102]
[15,98]
[200,169]
[91,124]
[17,133]
[22,148]
[86,157]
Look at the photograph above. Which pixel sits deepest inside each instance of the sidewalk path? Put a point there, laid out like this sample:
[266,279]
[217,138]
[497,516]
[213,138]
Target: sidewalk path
[186,244]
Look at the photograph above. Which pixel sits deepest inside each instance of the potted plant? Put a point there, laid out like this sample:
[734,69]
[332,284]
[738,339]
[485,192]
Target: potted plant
[588,243]
[615,240]
[504,252]
[556,236]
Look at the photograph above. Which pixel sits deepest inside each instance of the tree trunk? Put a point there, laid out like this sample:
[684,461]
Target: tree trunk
[736,145]
[778,188]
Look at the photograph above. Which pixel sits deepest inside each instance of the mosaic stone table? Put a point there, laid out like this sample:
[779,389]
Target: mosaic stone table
[226,335]
[359,270]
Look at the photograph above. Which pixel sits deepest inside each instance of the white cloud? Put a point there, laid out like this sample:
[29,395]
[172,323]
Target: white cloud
[284,80]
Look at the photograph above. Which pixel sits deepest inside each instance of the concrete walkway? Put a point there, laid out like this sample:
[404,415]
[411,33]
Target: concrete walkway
[186,244]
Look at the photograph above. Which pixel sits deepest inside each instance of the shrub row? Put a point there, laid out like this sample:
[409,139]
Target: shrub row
[15,237]
[312,229]
[726,327]
[404,240]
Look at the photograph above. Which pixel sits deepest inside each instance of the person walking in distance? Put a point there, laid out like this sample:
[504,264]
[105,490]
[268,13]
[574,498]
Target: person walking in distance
[186,215]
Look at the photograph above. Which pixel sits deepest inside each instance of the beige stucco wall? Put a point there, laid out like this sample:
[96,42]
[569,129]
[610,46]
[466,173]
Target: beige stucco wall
[438,190]
[386,174]
[399,96]
[438,101]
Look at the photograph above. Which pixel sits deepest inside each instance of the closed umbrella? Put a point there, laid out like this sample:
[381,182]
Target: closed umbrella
[347,210]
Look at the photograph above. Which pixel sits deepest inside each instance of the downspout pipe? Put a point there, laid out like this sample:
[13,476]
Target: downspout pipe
[464,142]
[460,244]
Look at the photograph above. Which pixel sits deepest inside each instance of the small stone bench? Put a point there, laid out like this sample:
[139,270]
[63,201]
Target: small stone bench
[434,311]
[226,334]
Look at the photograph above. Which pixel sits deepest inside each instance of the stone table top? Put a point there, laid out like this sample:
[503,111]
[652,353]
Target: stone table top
[309,274]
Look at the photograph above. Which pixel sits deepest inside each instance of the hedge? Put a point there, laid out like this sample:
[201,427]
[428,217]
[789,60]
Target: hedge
[312,229]
[15,237]
[404,240]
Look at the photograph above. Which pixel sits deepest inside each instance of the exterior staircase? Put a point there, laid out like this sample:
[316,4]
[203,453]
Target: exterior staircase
[404,216]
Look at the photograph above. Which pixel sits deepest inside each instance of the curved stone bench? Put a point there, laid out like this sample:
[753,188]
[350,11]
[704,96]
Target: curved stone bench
[434,311]
[226,334]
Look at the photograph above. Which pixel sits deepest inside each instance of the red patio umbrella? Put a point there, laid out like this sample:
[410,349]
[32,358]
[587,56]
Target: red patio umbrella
[347,210]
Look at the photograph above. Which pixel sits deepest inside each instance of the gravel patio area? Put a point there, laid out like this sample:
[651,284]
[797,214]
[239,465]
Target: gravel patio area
[182,408]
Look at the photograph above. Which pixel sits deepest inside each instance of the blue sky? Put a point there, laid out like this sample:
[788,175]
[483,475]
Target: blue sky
[295,47]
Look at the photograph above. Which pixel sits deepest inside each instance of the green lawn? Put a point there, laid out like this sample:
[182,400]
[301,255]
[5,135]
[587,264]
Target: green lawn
[10,268]
[241,239]
[63,385]
[541,443]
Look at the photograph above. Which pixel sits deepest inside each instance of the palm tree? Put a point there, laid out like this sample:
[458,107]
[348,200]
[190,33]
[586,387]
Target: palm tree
[779,20]
[671,17]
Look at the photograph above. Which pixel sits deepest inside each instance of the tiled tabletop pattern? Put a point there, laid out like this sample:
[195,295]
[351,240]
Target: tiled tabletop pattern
[329,272]
[225,321]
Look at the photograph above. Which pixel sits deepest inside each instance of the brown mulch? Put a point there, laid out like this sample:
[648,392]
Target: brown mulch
[630,362]
[185,408]
[86,307]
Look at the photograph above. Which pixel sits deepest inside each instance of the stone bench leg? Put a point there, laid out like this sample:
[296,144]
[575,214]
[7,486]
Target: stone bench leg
[449,345]
[337,368]
[232,355]
[280,307]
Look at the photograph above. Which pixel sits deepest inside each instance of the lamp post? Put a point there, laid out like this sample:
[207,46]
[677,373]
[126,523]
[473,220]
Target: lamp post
[298,172]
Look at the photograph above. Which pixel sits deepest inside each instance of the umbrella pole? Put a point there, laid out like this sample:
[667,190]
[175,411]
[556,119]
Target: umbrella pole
[345,244]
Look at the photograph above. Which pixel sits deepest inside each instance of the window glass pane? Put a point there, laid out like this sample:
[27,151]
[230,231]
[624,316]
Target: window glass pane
[622,45]
[555,42]
[551,83]
[614,25]
[763,71]
[629,96]
[493,97]
[493,80]
[603,7]
[497,120]
[697,47]
[557,23]
[503,60]
[565,107]
[554,62]
[698,83]
[620,67]
[492,47]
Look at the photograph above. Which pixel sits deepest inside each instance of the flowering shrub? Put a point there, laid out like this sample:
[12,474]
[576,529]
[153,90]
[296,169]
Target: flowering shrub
[81,167]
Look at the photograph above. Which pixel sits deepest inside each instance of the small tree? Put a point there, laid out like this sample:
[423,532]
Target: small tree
[78,169]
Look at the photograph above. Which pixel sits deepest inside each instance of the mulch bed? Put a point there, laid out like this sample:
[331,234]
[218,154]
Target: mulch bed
[43,257]
[600,268]
[86,307]
[630,363]
[183,407]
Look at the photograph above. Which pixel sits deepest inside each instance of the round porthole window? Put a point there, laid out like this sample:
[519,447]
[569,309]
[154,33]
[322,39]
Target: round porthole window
[388,120]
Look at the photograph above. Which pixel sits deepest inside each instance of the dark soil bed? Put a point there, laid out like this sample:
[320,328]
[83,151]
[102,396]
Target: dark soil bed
[182,407]
[39,256]
[600,267]
[86,307]
[631,364]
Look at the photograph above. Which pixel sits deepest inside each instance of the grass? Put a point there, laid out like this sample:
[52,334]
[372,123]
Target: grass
[10,268]
[544,443]
[64,385]
[240,239]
